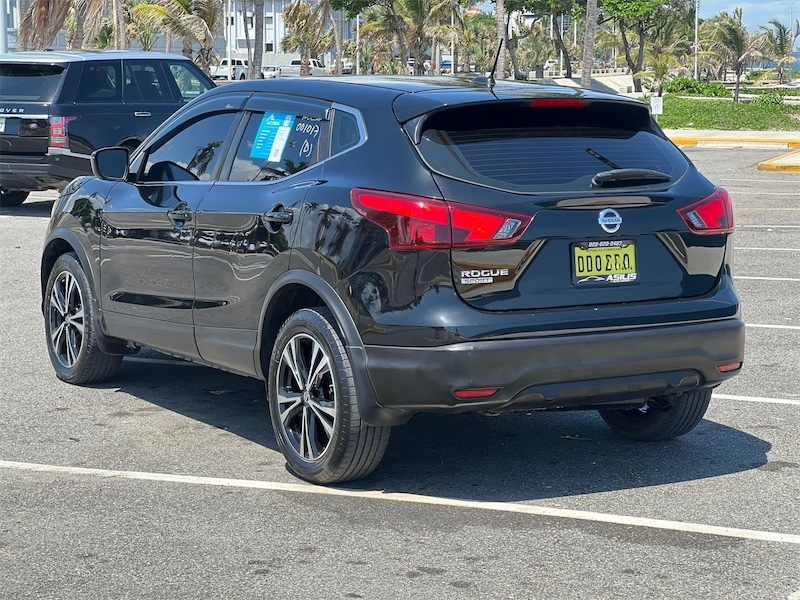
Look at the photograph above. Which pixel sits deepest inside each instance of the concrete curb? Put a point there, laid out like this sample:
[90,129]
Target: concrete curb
[762,142]
[789,162]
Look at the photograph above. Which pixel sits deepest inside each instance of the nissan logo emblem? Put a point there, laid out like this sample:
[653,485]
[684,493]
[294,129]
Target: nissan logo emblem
[609,220]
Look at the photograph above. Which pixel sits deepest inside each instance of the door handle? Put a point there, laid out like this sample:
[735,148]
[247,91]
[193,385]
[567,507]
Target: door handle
[180,213]
[278,217]
[142,113]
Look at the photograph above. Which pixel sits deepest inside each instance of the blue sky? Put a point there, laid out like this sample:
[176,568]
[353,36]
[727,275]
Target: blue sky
[755,12]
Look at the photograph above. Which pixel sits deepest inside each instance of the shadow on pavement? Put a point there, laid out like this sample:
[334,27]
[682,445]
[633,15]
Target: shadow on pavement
[32,207]
[512,457]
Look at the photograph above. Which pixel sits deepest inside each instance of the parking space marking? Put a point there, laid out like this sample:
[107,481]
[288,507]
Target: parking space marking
[767,249]
[757,399]
[528,509]
[787,181]
[769,326]
[769,226]
[748,278]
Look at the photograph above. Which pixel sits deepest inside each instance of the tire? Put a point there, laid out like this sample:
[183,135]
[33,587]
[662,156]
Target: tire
[316,419]
[9,199]
[651,423]
[72,340]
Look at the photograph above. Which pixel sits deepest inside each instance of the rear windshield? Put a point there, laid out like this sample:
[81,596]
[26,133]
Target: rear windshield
[29,83]
[523,149]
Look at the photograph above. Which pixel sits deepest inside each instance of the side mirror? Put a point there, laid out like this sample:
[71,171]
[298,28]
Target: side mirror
[111,163]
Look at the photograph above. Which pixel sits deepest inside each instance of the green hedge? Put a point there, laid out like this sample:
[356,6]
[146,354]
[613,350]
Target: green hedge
[690,87]
[719,114]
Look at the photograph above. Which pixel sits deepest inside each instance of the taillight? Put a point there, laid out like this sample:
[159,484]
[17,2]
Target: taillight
[417,223]
[58,131]
[713,214]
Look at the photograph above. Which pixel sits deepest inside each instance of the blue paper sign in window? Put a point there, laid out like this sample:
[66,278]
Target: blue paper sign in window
[272,136]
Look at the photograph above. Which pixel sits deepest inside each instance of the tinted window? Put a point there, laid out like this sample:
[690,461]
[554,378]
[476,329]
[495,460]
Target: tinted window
[99,82]
[192,152]
[277,144]
[187,78]
[345,132]
[520,148]
[145,82]
[31,83]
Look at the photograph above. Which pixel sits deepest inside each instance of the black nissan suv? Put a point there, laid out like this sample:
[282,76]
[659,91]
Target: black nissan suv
[56,108]
[373,248]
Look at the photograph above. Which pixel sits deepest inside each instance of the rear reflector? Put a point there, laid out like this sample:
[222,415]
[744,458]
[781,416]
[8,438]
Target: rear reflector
[417,223]
[711,215]
[729,367]
[472,393]
[558,103]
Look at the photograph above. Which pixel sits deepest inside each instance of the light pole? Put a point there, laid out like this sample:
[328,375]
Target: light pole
[3,27]
[696,34]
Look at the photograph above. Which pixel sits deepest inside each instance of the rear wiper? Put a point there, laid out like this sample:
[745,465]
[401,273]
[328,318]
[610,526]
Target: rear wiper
[623,177]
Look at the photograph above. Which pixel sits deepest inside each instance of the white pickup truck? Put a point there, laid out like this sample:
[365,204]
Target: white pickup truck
[315,68]
[221,71]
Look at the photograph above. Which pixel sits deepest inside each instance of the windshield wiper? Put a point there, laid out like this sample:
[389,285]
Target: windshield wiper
[623,177]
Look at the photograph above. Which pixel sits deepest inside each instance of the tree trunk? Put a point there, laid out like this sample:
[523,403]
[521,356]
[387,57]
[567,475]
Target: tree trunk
[120,26]
[512,51]
[187,47]
[75,41]
[397,27]
[258,37]
[337,34]
[168,42]
[635,67]
[588,43]
[560,45]
[500,16]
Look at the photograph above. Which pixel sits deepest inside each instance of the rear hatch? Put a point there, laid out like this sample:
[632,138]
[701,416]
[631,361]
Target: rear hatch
[595,206]
[26,92]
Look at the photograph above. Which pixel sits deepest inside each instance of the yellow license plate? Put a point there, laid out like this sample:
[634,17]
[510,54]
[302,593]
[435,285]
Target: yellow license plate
[604,261]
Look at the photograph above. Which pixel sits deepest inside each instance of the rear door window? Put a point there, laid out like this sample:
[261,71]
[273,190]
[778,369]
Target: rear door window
[190,84]
[145,81]
[521,148]
[281,141]
[29,82]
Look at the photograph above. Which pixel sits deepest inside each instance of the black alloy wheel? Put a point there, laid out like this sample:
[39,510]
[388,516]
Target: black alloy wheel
[313,403]
[71,337]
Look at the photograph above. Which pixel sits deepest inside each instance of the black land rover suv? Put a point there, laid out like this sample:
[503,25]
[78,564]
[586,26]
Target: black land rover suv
[56,108]
[377,247]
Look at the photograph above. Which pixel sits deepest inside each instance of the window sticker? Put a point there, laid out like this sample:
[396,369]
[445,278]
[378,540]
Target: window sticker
[272,136]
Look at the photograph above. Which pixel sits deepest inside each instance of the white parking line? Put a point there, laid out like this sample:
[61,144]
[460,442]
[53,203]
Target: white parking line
[757,399]
[787,181]
[745,277]
[769,226]
[767,249]
[768,326]
[740,193]
[504,507]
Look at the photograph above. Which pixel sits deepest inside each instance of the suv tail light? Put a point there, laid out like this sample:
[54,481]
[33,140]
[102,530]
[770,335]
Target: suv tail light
[58,131]
[418,223]
[713,214]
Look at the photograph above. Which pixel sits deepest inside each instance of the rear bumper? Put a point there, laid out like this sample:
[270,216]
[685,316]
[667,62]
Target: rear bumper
[557,371]
[52,171]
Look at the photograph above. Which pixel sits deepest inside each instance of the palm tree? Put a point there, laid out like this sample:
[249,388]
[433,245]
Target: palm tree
[779,45]
[305,33]
[500,16]
[43,19]
[588,43]
[730,42]
[192,20]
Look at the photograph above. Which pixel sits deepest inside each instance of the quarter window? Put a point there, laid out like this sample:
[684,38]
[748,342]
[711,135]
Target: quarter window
[192,152]
[279,143]
[99,82]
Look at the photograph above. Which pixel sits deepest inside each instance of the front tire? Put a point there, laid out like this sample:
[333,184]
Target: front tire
[72,340]
[9,199]
[313,403]
[652,423]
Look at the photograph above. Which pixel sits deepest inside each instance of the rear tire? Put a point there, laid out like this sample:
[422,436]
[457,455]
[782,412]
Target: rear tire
[72,340]
[313,403]
[9,199]
[650,423]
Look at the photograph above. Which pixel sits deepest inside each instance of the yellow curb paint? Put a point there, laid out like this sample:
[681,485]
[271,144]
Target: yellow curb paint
[693,141]
[774,164]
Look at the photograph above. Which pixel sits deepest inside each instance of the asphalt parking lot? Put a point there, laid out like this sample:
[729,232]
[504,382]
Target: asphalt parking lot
[168,482]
